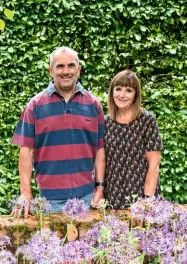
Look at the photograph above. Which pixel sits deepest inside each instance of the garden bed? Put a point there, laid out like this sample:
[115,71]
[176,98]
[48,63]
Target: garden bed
[152,231]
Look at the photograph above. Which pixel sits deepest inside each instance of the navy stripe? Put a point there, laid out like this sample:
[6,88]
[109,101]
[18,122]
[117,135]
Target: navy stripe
[65,194]
[59,108]
[66,137]
[101,131]
[24,129]
[63,166]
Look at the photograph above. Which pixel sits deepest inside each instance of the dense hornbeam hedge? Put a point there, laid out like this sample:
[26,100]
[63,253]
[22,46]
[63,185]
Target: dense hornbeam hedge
[143,35]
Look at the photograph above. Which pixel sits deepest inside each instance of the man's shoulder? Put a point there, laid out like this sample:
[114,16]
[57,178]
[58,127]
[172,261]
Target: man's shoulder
[39,99]
[90,98]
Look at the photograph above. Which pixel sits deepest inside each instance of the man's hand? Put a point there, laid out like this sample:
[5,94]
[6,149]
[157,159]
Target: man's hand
[22,204]
[98,195]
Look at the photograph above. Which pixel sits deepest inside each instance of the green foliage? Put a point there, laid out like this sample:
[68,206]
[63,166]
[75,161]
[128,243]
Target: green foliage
[110,35]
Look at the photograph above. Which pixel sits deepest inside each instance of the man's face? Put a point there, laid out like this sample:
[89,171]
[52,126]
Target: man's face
[65,71]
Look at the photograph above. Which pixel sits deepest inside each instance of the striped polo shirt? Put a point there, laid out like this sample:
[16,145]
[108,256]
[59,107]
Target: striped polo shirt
[65,138]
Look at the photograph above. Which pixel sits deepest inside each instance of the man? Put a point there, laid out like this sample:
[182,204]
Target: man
[61,132]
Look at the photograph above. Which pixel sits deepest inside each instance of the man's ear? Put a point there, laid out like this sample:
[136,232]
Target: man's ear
[50,69]
[79,69]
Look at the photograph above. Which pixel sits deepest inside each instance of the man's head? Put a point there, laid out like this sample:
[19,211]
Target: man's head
[64,68]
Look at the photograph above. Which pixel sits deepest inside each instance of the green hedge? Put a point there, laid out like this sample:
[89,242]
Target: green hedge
[146,36]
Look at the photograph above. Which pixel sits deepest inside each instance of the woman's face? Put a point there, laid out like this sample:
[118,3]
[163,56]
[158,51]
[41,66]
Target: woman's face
[124,97]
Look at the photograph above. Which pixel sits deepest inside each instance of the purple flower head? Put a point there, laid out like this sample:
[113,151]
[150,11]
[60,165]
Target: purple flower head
[18,203]
[181,248]
[152,210]
[6,257]
[179,221]
[4,242]
[123,252]
[130,75]
[76,251]
[105,233]
[75,208]
[168,259]
[157,241]
[44,245]
[40,204]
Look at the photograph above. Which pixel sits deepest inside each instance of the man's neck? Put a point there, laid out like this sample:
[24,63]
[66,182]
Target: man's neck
[67,94]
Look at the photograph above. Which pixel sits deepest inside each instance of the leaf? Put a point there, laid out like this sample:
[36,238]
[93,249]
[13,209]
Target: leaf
[137,37]
[2,191]
[2,25]
[168,189]
[9,13]
[143,28]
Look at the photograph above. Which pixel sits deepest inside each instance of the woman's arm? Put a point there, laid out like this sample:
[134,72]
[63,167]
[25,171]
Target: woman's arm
[153,159]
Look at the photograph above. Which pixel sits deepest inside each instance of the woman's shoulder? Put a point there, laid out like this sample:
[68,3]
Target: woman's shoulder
[108,121]
[146,114]
[107,118]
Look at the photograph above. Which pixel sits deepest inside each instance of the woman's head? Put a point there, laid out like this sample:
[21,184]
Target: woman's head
[124,79]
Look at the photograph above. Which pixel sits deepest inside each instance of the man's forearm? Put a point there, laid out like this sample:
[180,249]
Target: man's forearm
[25,171]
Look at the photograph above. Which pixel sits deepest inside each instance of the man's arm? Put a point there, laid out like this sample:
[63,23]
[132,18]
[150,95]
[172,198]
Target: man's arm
[153,159]
[25,171]
[100,164]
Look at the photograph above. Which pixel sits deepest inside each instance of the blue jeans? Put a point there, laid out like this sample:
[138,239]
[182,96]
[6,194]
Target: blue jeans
[57,205]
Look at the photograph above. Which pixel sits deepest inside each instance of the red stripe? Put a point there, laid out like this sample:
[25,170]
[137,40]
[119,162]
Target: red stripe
[65,152]
[101,143]
[66,121]
[43,98]
[27,116]
[23,141]
[64,181]
[86,98]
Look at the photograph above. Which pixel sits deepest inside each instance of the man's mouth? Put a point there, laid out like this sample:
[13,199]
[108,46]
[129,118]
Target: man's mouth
[65,77]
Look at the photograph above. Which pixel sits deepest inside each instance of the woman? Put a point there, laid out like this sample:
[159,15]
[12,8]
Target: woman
[132,143]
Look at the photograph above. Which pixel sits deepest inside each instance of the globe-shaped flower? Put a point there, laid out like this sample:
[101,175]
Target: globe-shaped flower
[75,208]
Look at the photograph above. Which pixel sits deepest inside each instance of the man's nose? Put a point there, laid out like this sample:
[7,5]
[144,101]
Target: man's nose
[65,69]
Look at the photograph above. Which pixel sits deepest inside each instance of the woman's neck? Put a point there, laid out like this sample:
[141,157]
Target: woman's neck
[124,116]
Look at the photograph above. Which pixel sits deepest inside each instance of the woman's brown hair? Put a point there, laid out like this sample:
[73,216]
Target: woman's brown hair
[125,78]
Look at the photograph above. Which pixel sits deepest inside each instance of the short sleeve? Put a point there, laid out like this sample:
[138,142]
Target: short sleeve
[24,134]
[152,140]
[100,126]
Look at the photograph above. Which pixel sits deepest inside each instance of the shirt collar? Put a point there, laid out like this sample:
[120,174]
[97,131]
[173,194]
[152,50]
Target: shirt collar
[51,88]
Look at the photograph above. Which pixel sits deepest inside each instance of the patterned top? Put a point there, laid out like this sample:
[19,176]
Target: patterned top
[65,138]
[126,164]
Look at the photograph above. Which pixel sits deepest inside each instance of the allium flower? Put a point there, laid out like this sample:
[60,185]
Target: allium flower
[179,221]
[91,236]
[40,204]
[76,251]
[157,241]
[6,257]
[75,208]
[116,227]
[43,246]
[18,203]
[168,259]
[102,204]
[123,252]
[152,210]
[4,241]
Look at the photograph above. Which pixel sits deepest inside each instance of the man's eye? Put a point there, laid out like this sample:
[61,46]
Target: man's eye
[59,66]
